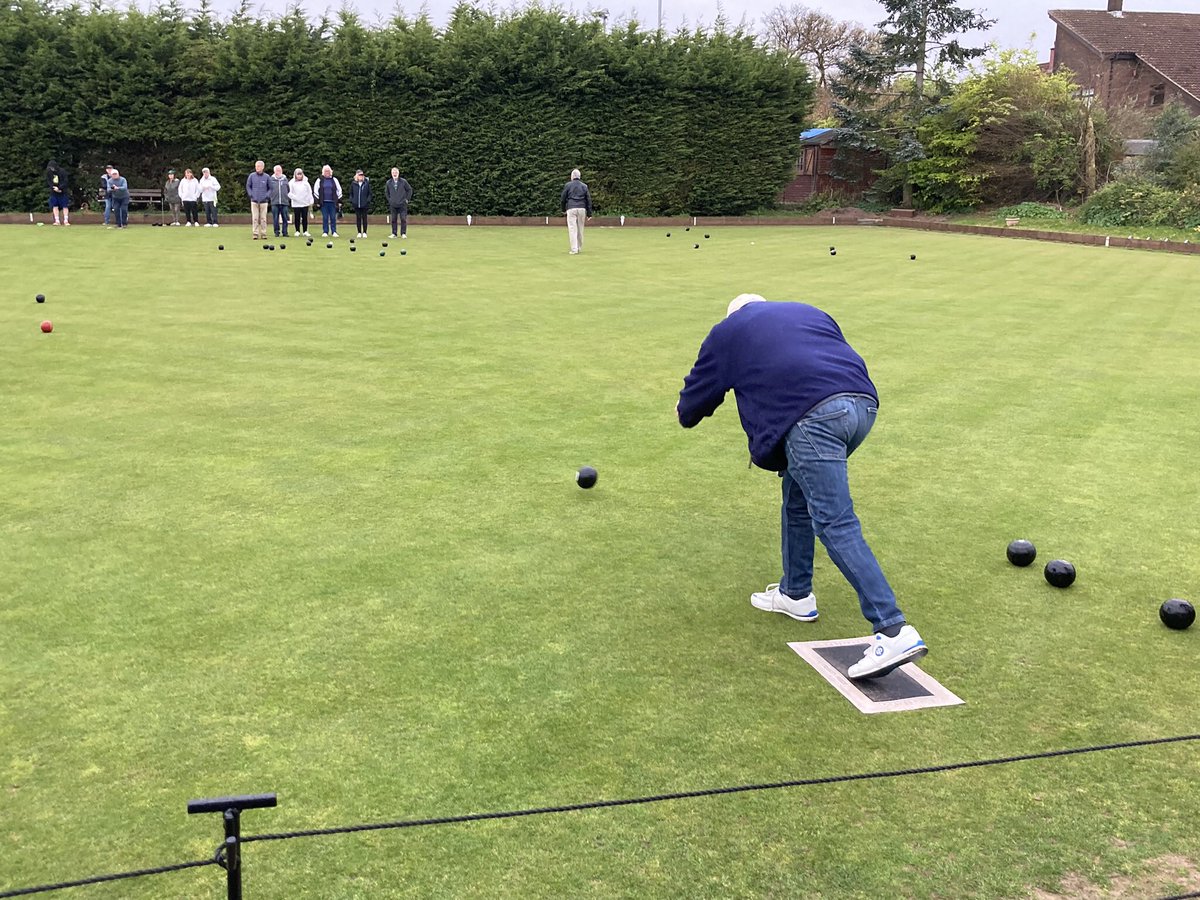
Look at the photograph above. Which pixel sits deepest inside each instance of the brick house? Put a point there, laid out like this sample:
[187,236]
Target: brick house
[1144,58]
[824,167]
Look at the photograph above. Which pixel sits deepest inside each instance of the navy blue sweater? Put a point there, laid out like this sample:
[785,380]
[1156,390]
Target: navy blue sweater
[780,360]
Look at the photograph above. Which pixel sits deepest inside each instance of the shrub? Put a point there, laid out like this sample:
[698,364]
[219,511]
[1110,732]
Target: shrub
[1134,202]
[1031,211]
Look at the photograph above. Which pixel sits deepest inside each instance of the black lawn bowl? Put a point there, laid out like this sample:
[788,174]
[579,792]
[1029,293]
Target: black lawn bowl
[833,253]
[384,245]
[913,256]
[404,253]
[220,246]
[383,253]
[266,246]
[329,246]
[1021,553]
[689,228]
[1177,614]
[1060,573]
[40,298]
[353,249]
[695,246]
[283,246]
[586,477]
[707,236]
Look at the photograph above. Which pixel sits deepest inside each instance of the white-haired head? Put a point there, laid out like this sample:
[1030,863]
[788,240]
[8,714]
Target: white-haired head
[575,175]
[741,300]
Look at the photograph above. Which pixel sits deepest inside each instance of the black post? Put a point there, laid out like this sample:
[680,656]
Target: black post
[233,853]
[231,811]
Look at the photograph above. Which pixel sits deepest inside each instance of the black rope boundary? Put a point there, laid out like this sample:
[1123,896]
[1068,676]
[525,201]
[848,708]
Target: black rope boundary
[713,792]
[628,801]
[100,879]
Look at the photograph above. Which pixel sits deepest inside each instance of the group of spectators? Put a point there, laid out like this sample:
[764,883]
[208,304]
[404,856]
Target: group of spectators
[282,199]
[275,198]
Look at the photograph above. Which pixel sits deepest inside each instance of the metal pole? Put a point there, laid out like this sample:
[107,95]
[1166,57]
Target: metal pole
[233,854]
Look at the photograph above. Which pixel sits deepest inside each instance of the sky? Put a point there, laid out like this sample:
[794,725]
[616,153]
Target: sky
[1019,23]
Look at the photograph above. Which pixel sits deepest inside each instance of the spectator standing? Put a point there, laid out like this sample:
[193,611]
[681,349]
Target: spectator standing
[60,195]
[118,188]
[399,192]
[360,199]
[280,203]
[171,195]
[104,193]
[301,196]
[327,192]
[577,204]
[258,189]
[209,187]
[189,196]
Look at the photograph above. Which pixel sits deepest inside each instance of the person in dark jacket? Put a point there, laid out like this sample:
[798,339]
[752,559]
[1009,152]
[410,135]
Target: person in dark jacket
[258,189]
[577,204]
[399,192]
[806,403]
[281,204]
[360,199]
[327,192]
[171,195]
[60,194]
[118,189]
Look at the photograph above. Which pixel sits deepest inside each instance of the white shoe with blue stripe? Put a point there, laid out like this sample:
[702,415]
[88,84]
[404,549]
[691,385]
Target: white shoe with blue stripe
[774,600]
[885,654]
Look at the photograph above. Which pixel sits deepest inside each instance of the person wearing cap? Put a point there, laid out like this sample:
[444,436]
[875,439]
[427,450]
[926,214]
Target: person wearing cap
[106,196]
[118,189]
[360,199]
[300,195]
[258,189]
[60,195]
[577,204]
[806,404]
[398,192]
[189,196]
[171,195]
[327,191]
[281,206]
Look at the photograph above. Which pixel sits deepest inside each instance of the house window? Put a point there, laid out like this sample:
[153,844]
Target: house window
[1158,94]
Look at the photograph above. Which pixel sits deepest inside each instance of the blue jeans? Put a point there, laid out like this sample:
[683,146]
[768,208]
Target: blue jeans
[816,502]
[279,215]
[329,216]
[120,212]
[107,209]
[210,212]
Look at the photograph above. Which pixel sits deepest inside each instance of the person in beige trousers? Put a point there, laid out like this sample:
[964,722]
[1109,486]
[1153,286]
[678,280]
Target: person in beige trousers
[577,204]
[258,189]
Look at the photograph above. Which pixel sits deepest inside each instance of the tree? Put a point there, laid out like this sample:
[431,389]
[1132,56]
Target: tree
[815,37]
[885,91]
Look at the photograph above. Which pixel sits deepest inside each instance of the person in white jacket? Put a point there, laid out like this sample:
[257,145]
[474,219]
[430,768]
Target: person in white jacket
[301,195]
[189,196]
[208,193]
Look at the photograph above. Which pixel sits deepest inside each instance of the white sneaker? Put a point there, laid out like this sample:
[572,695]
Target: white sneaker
[884,654]
[216,224]
[403,237]
[774,600]
[335,234]
[323,234]
[306,234]
[208,224]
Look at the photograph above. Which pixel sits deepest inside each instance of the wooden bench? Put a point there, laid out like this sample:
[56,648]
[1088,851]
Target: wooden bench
[151,197]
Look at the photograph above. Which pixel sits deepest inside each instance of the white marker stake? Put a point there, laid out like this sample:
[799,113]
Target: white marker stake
[468,218]
[622,220]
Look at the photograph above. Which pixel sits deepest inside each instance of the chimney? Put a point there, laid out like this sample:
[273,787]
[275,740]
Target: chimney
[1114,6]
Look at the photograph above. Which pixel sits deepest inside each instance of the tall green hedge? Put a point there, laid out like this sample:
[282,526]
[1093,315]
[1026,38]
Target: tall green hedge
[486,116]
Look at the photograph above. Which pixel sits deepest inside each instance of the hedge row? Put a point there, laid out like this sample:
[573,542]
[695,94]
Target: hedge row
[486,116]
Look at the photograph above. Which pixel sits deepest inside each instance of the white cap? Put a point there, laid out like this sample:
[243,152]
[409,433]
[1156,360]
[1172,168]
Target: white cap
[741,300]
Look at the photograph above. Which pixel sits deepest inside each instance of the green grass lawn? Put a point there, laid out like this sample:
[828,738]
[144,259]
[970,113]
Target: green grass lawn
[305,522]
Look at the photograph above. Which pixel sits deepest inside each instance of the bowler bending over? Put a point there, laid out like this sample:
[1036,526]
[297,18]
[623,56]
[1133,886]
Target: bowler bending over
[806,403]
